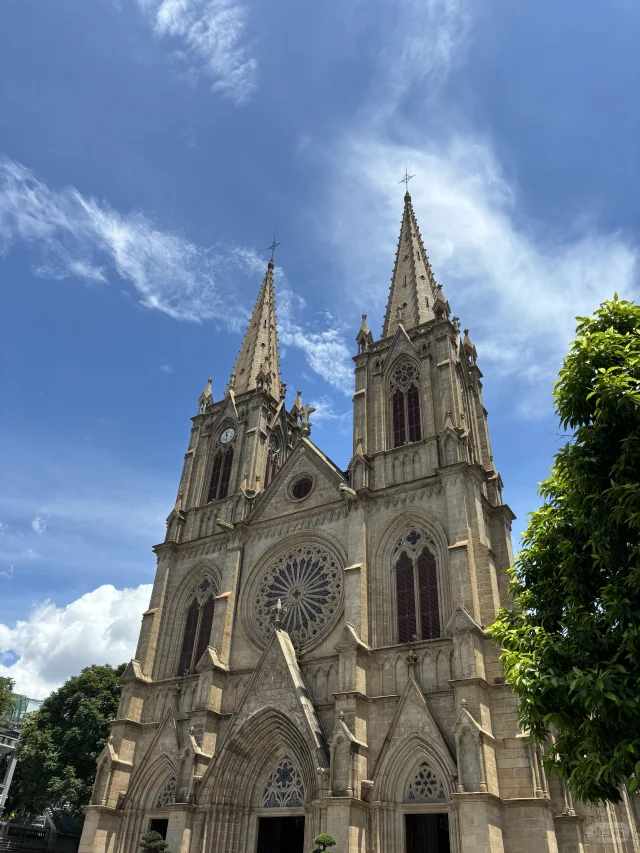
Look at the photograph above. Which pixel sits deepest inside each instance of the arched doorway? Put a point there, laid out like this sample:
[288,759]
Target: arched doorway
[281,816]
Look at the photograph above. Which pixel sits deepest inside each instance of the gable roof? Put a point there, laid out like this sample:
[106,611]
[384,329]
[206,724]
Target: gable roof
[276,498]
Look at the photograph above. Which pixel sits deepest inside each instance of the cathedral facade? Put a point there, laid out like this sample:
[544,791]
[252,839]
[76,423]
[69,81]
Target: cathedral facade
[314,657]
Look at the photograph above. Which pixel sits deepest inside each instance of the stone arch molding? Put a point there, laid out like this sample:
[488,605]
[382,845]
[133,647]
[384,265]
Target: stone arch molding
[202,580]
[393,781]
[386,630]
[152,784]
[249,759]
[262,591]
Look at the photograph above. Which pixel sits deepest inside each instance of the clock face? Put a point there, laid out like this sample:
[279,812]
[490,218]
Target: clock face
[227,435]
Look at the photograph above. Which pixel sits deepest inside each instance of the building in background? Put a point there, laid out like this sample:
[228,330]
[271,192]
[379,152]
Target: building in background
[9,735]
[314,656]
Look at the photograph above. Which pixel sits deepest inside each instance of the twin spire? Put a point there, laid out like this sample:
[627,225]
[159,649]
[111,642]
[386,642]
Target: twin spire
[258,363]
[414,297]
[413,287]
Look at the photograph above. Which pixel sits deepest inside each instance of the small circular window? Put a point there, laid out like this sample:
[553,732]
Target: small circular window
[301,488]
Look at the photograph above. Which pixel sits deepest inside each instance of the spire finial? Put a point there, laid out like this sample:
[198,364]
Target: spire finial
[273,247]
[405,180]
[259,351]
[413,286]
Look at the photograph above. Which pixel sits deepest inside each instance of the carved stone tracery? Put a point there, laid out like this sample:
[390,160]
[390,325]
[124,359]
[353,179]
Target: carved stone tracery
[425,786]
[284,786]
[307,579]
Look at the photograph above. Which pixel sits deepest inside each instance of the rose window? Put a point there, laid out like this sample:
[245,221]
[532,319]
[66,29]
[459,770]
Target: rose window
[284,787]
[425,787]
[308,582]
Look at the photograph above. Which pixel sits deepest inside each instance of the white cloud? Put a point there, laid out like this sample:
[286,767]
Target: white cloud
[165,368]
[327,414]
[69,231]
[212,38]
[426,39]
[168,272]
[516,287]
[326,349]
[55,643]
[38,525]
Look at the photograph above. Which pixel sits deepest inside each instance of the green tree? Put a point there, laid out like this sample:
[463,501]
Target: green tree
[571,643]
[60,742]
[322,842]
[6,698]
[153,842]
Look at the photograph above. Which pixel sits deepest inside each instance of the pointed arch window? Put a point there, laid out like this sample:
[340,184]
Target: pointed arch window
[405,402]
[417,601]
[197,627]
[220,475]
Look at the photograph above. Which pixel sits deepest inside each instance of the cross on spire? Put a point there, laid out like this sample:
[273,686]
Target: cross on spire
[273,246]
[406,179]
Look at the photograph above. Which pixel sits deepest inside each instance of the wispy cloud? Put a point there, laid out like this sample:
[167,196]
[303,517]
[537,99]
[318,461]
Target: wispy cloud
[57,642]
[210,38]
[165,368]
[74,236]
[38,525]
[516,286]
[429,37]
[327,414]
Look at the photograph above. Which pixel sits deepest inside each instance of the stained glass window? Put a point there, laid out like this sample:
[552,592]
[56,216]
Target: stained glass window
[220,475]
[188,641]
[197,626]
[308,581]
[301,488]
[425,786]
[417,604]
[284,787]
[405,402]
[166,795]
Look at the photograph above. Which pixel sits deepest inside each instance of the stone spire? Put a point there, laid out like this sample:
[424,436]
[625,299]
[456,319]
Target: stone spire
[413,287]
[257,365]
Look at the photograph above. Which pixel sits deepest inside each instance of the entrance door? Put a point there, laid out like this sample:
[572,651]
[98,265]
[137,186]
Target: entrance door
[427,833]
[160,825]
[281,835]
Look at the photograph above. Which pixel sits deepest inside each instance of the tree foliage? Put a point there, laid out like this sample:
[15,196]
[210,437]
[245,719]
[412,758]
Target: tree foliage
[6,698]
[60,742]
[571,644]
[323,842]
[153,842]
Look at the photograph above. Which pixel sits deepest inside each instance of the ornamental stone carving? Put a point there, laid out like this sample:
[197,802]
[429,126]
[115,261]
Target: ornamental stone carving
[284,787]
[308,580]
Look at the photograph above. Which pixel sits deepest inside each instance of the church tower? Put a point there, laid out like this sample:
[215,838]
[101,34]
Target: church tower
[314,656]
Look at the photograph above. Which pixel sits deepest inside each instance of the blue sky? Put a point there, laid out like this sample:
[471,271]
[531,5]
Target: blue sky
[148,150]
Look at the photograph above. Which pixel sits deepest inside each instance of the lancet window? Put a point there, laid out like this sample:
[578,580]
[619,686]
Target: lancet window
[221,475]
[197,627]
[405,402]
[284,787]
[416,588]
